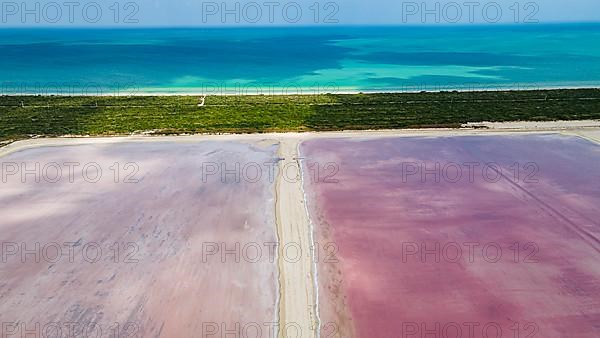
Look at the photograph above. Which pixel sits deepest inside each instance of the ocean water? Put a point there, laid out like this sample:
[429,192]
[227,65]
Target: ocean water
[298,60]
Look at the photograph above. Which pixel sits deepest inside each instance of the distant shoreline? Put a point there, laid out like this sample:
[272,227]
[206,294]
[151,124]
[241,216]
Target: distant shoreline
[306,92]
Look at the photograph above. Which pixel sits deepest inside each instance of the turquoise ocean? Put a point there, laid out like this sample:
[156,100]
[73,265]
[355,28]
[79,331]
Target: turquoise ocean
[298,59]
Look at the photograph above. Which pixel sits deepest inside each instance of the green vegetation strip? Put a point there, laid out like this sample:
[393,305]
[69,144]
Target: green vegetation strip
[27,116]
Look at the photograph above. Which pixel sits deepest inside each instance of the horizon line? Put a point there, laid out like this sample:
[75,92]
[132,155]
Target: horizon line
[332,25]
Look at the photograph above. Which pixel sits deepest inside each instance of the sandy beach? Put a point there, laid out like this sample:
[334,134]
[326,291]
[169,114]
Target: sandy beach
[294,89]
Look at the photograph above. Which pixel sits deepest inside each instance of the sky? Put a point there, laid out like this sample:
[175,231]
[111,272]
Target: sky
[144,13]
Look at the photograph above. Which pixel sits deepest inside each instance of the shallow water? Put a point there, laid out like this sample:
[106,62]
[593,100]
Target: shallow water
[424,243]
[297,60]
[137,245]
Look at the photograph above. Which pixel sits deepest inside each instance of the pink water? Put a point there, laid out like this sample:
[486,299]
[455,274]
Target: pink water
[161,281]
[398,236]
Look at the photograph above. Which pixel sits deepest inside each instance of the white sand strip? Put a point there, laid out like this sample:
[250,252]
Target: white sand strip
[297,289]
[535,125]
